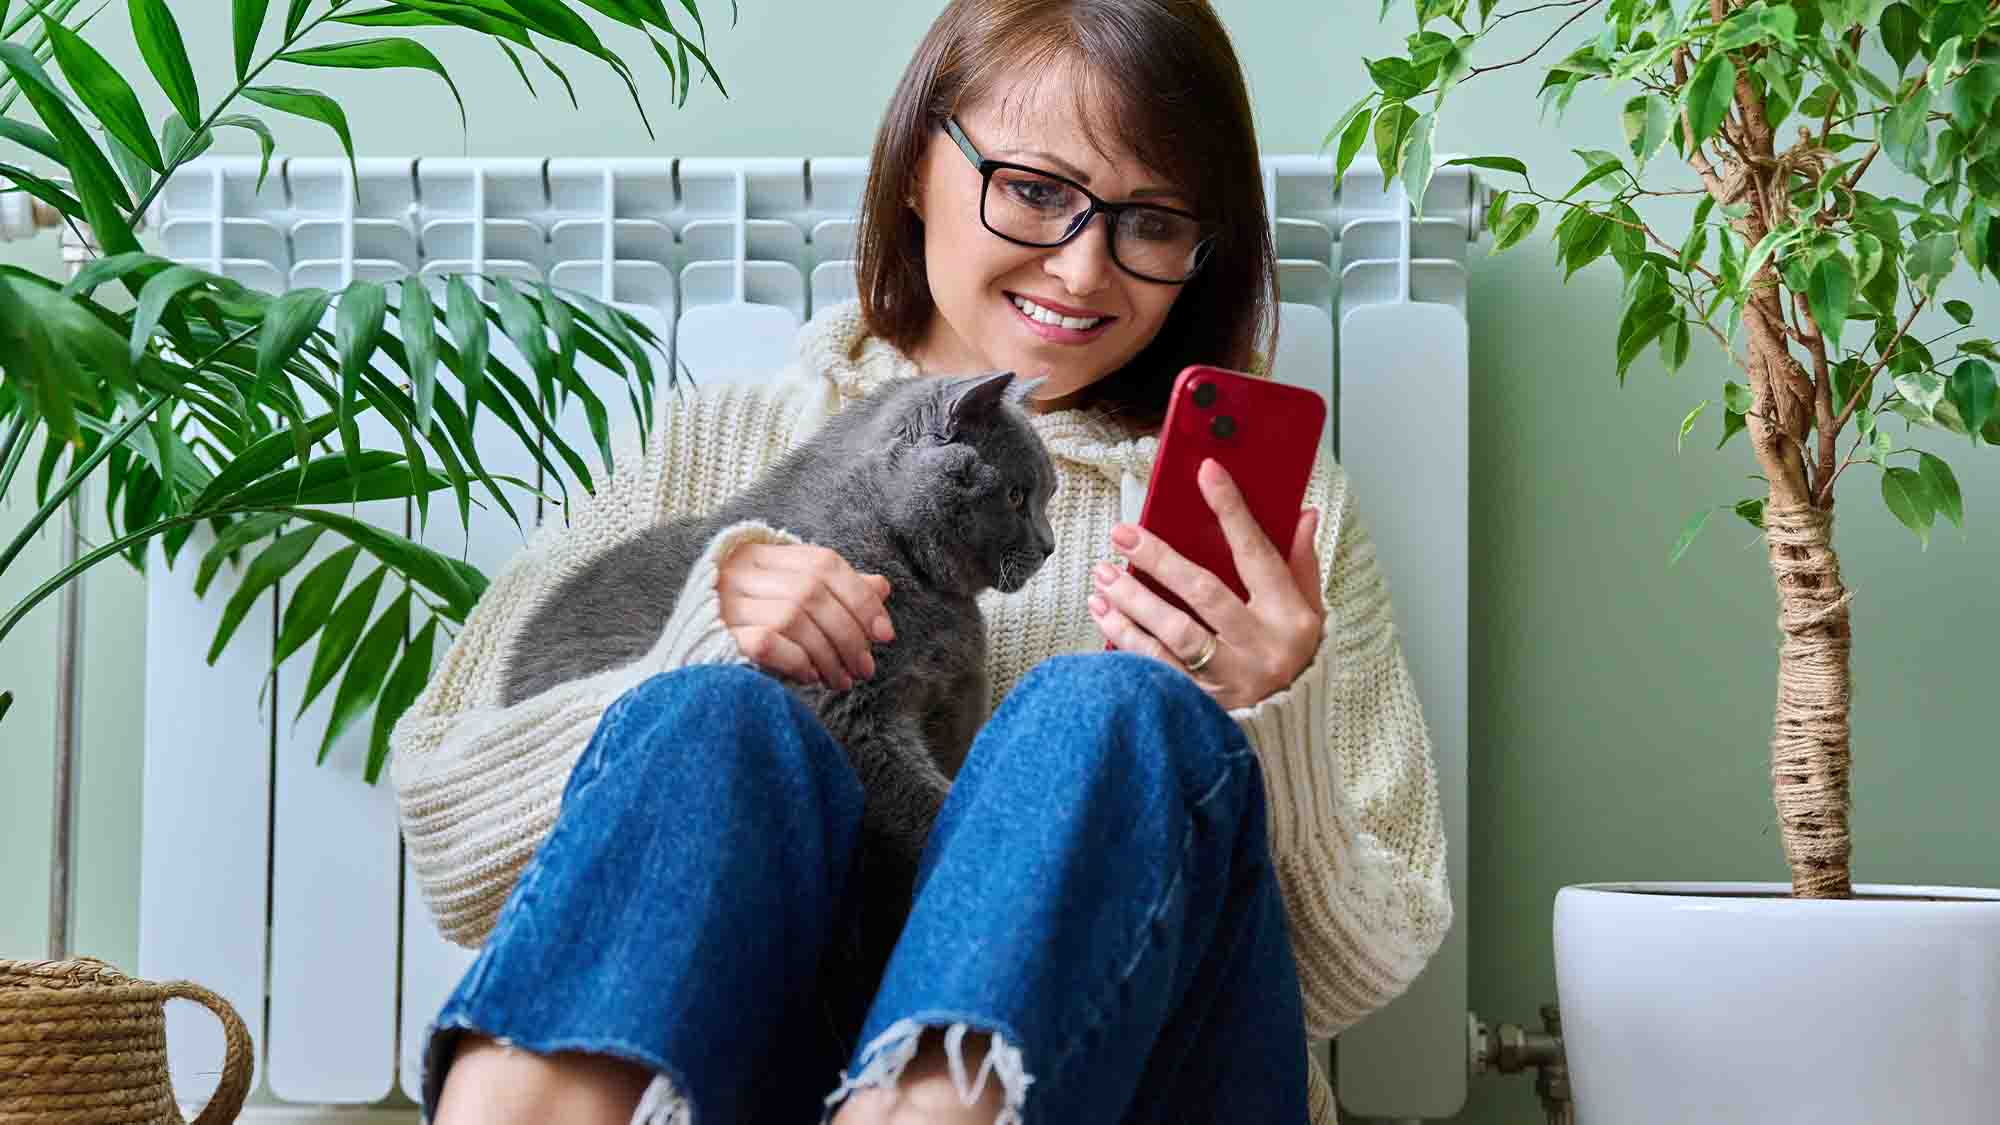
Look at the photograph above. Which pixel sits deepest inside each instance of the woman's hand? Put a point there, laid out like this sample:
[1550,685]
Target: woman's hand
[802,612]
[1260,646]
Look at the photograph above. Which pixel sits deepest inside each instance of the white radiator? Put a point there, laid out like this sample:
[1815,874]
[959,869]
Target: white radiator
[280,883]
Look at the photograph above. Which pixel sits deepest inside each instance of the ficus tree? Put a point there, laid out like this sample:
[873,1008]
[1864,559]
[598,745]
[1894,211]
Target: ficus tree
[1811,172]
[200,402]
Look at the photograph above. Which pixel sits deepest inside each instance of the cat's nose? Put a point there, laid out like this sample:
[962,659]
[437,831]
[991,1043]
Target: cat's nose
[1048,549]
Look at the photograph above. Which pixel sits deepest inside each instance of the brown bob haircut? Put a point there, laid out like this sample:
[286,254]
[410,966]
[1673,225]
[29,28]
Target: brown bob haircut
[1159,80]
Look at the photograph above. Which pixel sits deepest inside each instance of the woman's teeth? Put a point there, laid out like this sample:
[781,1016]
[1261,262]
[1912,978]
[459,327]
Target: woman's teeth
[1073,323]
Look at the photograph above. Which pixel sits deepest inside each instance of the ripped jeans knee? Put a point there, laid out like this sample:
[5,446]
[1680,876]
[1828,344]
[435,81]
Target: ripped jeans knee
[883,1061]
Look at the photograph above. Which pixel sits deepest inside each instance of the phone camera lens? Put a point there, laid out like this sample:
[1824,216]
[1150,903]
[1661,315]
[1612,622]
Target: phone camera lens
[1223,427]
[1204,395]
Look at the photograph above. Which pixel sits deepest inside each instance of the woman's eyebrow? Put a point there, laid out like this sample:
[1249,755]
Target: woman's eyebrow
[1076,173]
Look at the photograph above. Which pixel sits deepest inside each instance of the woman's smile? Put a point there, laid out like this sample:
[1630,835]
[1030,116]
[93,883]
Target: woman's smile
[1058,323]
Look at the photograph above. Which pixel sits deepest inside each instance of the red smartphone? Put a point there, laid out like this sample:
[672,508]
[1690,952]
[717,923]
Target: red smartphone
[1265,433]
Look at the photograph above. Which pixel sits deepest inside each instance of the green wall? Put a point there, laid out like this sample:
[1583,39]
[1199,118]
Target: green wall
[1620,710]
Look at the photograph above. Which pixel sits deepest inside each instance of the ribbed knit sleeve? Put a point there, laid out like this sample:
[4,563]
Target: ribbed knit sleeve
[1357,836]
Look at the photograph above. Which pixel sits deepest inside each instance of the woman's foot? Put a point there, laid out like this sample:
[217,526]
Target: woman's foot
[491,1083]
[924,1095]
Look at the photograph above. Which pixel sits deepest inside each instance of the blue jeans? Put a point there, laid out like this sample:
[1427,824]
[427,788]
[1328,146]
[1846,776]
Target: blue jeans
[1097,895]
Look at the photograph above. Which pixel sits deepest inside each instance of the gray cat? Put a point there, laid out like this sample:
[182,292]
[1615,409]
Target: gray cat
[939,485]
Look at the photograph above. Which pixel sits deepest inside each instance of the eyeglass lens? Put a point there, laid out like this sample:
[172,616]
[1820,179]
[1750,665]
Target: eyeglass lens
[1043,211]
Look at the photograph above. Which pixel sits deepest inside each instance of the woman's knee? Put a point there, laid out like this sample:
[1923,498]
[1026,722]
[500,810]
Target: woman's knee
[715,719]
[1120,698]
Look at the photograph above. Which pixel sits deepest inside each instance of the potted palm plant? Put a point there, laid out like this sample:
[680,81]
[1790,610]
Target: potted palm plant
[215,414]
[1799,180]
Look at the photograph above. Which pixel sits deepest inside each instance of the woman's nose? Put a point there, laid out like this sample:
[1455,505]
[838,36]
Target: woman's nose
[1083,264]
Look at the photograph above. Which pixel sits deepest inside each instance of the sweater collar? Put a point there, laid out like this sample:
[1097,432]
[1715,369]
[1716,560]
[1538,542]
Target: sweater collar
[837,344]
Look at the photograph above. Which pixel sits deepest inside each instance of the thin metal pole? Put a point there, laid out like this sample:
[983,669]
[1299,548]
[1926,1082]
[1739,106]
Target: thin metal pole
[69,697]
[69,706]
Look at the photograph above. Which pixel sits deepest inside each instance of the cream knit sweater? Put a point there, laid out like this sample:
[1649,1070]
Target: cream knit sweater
[1354,827]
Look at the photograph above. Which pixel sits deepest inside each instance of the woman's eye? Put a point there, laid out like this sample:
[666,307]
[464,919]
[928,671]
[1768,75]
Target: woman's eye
[1039,194]
[1016,498]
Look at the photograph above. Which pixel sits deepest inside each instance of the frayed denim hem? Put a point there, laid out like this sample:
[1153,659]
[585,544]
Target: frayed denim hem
[883,1061]
[661,1104]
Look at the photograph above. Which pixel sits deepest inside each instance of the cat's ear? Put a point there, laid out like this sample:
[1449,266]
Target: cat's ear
[975,398]
[1024,389]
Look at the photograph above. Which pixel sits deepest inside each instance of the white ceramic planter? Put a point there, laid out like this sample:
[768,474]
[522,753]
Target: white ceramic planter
[1730,1004]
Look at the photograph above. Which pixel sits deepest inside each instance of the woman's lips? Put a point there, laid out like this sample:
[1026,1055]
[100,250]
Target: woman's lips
[1056,333]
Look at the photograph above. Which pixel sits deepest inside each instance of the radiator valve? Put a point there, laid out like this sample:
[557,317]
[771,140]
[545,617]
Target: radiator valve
[1511,1049]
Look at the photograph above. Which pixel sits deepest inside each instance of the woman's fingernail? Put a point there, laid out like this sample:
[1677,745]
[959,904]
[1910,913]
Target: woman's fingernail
[1105,573]
[884,631]
[1098,606]
[1124,537]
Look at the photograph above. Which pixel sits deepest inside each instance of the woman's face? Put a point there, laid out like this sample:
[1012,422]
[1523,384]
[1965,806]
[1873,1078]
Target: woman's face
[981,282]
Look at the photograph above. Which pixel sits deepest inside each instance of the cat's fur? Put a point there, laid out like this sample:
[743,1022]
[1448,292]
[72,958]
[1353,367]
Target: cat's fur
[913,483]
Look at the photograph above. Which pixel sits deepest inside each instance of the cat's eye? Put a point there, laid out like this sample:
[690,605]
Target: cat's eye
[1016,498]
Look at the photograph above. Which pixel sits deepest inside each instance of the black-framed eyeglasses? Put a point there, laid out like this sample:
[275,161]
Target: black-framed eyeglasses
[1037,208]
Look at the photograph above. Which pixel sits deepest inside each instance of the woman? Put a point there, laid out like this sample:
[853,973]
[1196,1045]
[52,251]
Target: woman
[1160,873]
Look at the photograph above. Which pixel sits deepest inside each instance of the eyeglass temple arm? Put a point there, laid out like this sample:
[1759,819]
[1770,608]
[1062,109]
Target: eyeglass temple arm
[963,142]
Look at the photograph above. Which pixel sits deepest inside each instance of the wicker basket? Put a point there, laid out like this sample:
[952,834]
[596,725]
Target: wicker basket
[82,1043]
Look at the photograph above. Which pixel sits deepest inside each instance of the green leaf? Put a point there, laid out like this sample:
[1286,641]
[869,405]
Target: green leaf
[1351,140]
[312,602]
[458,584]
[294,16]
[1959,311]
[1902,34]
[356,334]
[1709,95]
[1972,96]
[1519,223]
[419,322]
[1931,260]
[1943,487]
[1392,132]
[367,670]
[1345,120]
[1909,499]
[166,56]
[104,92]
[377,54]
[247,22]
[1737,398]
[1417,169]
[405,684]
[1688,533]
[265,142]
[273,563]
[342,630]
[1828,294]
[1396,78]
[1868,256]
[1687,424]
[254,463]
[1496,163]
[1675,341]
[1972,390]
[465,317]
[22,133]
[1588,238]
[1647,119]
[160,291]
[179,144]
[1601,165]
[290,320]
[311,105]
[1752,511]
[1905,133]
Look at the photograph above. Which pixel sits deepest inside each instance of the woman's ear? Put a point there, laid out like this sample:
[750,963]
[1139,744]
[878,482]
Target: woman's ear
[914,197]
